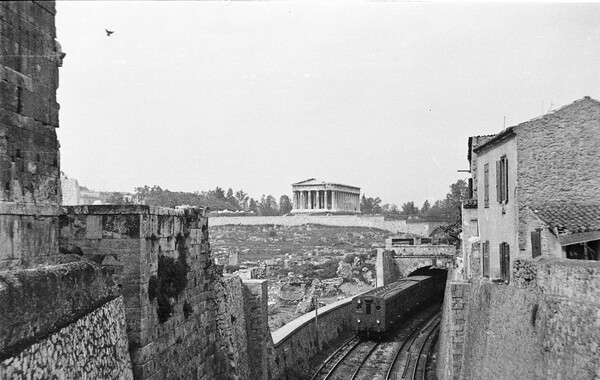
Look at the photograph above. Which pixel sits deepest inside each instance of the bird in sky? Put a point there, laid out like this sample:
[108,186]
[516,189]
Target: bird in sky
[109,32]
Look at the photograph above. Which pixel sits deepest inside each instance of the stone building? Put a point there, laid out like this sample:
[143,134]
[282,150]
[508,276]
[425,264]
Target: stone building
[29,150]
[316,196]
[536,190]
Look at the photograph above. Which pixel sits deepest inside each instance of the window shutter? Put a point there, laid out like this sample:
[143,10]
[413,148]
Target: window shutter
[486,259]
[486,185]
[498,181]
[536,243]
[505,179]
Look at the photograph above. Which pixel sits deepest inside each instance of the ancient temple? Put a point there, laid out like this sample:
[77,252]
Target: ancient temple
[317,196]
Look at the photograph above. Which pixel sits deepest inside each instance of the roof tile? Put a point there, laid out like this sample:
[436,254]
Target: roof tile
[569,218]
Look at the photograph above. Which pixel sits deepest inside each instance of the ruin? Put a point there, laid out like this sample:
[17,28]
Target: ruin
[315,196]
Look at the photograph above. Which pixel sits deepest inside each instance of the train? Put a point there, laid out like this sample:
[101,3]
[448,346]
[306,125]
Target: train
[381,309]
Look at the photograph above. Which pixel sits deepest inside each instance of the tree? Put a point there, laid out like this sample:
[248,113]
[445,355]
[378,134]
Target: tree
[390,209]
[242,199]
[117,199]
[426,207]
[253,206]
[218,193]
[459,191]
[229,198]
[370,205]
[268,206]
[409,208]
[285,205]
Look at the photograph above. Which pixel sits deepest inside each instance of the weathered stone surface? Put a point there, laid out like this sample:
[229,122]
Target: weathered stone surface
[35,302]
[94,347]
[544,326]
[29,152]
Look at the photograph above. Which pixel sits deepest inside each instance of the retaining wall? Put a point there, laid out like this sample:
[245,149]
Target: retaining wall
[296,342]
[153,251]
[37,302]
[395,226]
[93,347]
[544,325]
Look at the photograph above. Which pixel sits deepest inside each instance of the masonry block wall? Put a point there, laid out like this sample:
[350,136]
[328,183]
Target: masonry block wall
[543,326]
[231,327]
[29,151]
[387,270]
[560,171]
[452,330]
[94,347]
[62,320]
[161,259]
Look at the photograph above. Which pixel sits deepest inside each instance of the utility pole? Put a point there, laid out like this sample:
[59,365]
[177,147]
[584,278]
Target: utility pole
[316,301]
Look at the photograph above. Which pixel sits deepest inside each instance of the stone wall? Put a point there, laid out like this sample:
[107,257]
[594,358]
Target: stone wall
[409,258]
[543,326]
[296,342]
[371,221]
[161,259]
[38,301]
[93,347]
[452,330]
[387,270]
[29,151]
[570,138]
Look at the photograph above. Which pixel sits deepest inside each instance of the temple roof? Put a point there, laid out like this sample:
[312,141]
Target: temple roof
[315,182]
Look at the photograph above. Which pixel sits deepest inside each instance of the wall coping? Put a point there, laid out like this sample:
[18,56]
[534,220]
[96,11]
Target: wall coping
[19,208]
[289,329]
[127,210]
[568,262]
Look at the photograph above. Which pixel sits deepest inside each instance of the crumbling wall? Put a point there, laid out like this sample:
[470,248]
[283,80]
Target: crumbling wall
[29,151]
[544,325]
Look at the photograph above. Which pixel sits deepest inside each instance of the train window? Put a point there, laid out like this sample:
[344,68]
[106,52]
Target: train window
[368,304]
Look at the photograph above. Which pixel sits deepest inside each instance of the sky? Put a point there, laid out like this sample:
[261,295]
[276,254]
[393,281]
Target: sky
[259,95]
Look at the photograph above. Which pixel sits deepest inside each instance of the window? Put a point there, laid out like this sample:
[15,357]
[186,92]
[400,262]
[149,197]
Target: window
[536,243]
[486,185]
[502,180]
[486,258]
[505,262]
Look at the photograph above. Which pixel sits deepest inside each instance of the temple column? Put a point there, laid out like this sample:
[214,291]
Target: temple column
[333,200]
[325,199]
[310,199]
[318,201]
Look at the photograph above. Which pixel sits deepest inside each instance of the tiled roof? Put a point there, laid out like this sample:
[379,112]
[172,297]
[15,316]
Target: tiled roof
[569,218]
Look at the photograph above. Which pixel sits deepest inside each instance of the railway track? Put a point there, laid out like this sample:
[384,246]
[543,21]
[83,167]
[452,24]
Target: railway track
[401,356]
[410,360]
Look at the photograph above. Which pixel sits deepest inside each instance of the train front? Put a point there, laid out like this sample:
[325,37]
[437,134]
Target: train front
[369,315]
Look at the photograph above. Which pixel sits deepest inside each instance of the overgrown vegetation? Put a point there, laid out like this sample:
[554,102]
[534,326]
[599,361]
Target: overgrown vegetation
[170,280]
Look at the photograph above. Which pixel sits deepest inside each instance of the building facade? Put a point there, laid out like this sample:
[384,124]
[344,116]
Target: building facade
[316,196]
[536,186]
